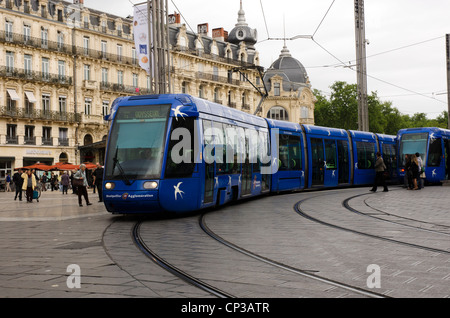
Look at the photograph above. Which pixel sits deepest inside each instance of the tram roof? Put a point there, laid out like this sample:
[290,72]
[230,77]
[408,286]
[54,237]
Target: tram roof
[325,131]
[441,131]
[188,106]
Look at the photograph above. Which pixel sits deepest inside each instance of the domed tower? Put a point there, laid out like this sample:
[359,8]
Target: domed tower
[290,95]
[243,33]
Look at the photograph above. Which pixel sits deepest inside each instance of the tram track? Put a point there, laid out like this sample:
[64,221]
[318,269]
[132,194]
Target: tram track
[305,273]
[421,227]
[301,212]
[140,243]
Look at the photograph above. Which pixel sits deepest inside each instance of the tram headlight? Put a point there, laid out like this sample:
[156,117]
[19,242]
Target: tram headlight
[150,185]
[109,185]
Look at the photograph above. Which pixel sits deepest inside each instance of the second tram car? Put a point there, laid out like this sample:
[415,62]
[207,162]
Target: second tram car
[433,145]
[179,153]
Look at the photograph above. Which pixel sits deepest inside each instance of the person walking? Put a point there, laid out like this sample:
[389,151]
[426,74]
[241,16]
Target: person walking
[29,183]
[65,180]
[415,171]
[421,171]
[379,174]
[98,181]
[18,181]
[8,182]
[81,187]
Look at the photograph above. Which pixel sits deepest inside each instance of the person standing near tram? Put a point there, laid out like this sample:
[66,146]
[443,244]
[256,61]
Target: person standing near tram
[379,174]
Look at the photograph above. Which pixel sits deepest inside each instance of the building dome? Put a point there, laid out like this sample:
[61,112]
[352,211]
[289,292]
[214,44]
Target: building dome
[290,69]
[242,32]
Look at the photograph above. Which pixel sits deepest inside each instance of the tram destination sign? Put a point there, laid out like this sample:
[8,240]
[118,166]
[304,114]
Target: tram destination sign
[143,112]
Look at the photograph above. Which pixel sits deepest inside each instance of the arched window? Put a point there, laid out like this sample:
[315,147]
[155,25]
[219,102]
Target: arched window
[88,140]
[278,112]
[63,157]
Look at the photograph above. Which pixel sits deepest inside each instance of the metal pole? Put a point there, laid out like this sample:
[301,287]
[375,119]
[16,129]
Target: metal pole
[447,40]
[360,37]
[149,36]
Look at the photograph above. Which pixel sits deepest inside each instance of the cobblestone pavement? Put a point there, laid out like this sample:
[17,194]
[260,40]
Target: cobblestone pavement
[43,242]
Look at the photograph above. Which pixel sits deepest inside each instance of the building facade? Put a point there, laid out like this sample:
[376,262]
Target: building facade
[290,96]
[62,65]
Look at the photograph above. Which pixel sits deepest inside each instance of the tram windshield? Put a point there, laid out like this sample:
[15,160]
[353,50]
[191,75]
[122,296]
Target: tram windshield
[136,144]
[412,143]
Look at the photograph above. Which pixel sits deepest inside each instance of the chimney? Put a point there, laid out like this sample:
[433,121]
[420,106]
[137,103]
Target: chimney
[203,29]
[218,34]
[80,2]
[175,18]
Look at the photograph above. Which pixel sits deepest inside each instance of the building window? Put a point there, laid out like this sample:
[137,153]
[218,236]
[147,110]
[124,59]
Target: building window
[87,72]
[104,76]
[9,61]
[276,89]
[134,56]
[87,106]
[278,113]
[119,52]
[304,112]
[44,38]
[105,107]
[26,33]
[28,62]
[47,139]
[28,105]
[46,103]
[201,92]
[103,48]
[135,80]
[63,139]
[120,77]
[45,68]
[62,104]
[11,134]
[60,40]
[61,69]
[183,87]
[29,138]
[86,45]
[9,31]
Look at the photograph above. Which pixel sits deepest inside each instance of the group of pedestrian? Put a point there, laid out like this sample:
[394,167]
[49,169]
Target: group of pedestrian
[25,181]
[414,171]
[28,181]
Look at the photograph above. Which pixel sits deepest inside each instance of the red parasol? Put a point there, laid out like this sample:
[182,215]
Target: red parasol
[37,166]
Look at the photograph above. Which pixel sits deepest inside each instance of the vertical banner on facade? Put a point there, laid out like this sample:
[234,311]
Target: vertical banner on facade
[142,36]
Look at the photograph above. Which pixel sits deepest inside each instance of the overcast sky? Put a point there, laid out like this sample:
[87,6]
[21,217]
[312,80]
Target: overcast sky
[412,75]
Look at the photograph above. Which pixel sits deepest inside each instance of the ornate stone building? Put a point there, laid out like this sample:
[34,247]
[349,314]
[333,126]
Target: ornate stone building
[62,65]
[290,95]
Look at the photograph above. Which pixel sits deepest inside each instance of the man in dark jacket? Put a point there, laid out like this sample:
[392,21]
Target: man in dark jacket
[98,181]
[18,181]
[379,177]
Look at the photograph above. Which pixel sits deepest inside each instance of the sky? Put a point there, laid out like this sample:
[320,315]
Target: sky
[406,50]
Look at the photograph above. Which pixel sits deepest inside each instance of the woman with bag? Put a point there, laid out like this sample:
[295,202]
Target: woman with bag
[29,183]
[80,181]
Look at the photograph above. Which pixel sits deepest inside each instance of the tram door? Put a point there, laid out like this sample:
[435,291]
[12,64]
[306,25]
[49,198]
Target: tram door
[209,163]
[343,161]
[317,166]
[447,158]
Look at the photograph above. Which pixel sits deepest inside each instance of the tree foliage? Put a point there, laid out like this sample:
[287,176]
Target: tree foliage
[341,111]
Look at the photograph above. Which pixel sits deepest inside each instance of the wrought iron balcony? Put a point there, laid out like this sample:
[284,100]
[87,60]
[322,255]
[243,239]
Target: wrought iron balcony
[34,76]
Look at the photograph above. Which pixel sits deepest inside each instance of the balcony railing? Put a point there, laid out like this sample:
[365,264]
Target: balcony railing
[63,142]
[13,140]
[39,114]
[22,39]
[47,141]
[35,76]
[29,140]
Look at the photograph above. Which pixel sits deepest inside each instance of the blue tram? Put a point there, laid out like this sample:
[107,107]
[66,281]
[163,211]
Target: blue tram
[433,145]
[180,153]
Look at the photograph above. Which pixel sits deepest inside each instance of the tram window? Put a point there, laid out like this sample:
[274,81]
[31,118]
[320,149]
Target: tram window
[231,149]
[175,169]
[220,147]
[366,154]
[389,156]
[435,152]
[253,148]
[289,153]
[330,154]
